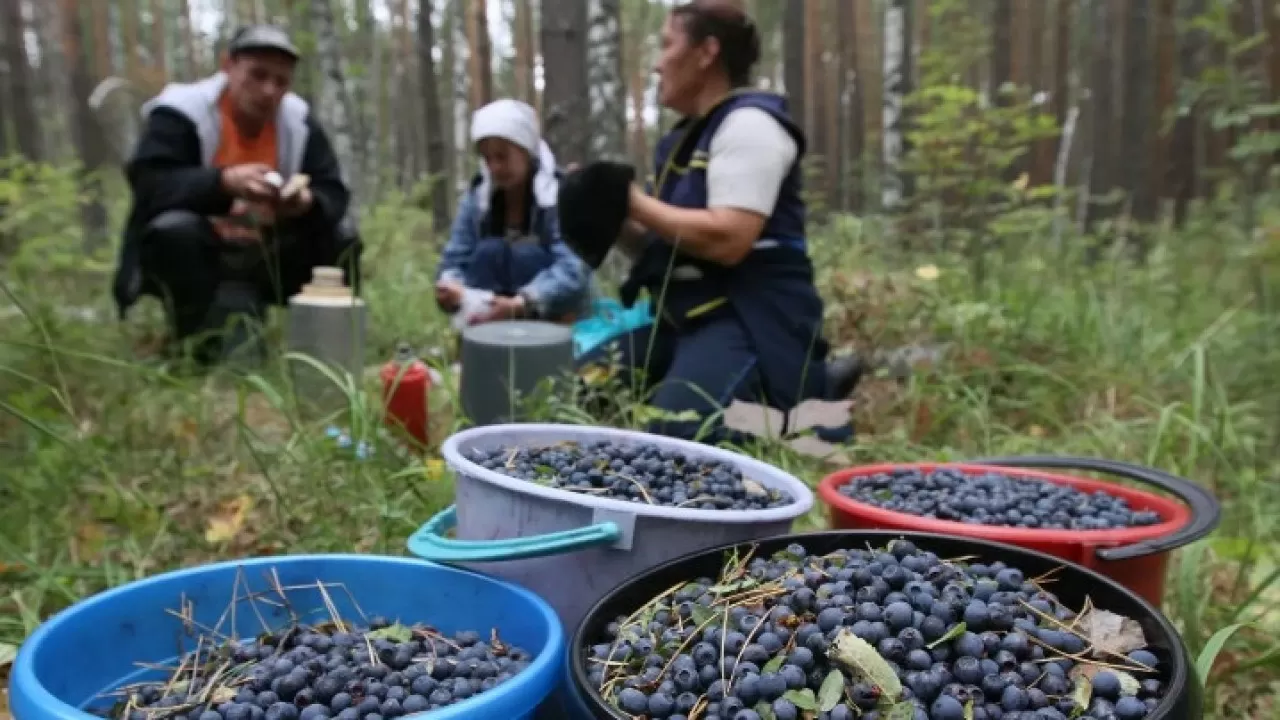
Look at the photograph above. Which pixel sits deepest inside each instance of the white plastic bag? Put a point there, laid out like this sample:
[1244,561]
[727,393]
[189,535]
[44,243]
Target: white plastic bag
[475,303]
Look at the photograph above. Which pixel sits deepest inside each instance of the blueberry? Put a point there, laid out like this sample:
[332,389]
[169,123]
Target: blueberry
[918,660]
[1101,708]
[282,711]
[633,701]
[1130,709]
[1106,685]
[830,618]
[969,645]
[1144,657]
[898,615]
[747,689]
[771,686]
[946,708]
[794,677]
[968,670]
[785,710]
[1014,698]
[341,701]
[1009,579]
[975,615]
[314,712]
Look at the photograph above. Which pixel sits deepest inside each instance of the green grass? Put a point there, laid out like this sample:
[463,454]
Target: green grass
[115,468]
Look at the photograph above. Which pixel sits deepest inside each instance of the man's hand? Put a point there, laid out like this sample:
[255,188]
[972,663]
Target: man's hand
[249,182]
[505,308]
[295,205]
[449,295]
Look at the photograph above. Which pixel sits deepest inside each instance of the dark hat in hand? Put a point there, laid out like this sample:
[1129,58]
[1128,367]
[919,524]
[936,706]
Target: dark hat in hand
[593,204]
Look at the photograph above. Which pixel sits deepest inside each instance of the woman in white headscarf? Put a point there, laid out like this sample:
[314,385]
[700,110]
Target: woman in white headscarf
[506,236]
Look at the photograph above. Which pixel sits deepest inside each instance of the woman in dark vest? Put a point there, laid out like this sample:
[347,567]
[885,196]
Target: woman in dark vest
[718,239]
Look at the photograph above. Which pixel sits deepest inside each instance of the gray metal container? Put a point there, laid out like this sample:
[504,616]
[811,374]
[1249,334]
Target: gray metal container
[327,323]
[506,362]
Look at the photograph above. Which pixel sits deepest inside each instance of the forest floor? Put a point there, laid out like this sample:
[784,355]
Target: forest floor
[116,469]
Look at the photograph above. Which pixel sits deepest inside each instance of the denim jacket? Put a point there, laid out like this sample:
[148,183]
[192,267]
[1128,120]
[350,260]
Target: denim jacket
[541,267]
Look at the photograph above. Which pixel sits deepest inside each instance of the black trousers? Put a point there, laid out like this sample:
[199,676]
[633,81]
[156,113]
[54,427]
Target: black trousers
[196,273]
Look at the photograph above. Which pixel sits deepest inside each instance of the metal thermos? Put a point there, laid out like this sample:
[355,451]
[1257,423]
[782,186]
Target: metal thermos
[328,323]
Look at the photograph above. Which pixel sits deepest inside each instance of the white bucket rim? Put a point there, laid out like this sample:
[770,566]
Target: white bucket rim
[513,433]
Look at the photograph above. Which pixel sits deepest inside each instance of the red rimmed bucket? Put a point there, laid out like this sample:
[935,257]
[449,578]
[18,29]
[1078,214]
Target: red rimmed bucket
[1137,558]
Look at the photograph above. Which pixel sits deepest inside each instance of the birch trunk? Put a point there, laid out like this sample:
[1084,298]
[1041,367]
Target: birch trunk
[895,49]
[335,105]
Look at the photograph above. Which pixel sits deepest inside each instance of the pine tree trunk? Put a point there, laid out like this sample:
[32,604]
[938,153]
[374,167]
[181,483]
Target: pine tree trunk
[441,190]
[88,137]
[604,73]
[566,108]
[480,59]
[636,52]
[191,58]
[21,97]
[793,54]
[54,82]
[525,57]
[100,12]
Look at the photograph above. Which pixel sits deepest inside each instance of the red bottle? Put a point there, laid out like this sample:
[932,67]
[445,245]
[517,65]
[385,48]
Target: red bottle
[405,382]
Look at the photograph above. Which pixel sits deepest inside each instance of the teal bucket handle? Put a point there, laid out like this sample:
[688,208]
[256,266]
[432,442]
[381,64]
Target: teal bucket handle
[430,543]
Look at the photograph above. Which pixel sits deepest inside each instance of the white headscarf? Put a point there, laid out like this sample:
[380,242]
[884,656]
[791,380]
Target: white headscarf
[516,122]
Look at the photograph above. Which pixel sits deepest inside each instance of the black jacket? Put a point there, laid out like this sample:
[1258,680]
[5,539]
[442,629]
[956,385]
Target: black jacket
[166,173]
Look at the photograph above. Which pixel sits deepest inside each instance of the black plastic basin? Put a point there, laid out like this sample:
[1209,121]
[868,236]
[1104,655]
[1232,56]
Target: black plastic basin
[1072,584]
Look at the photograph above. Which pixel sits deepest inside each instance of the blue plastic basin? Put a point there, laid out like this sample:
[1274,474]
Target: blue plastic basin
[93,646]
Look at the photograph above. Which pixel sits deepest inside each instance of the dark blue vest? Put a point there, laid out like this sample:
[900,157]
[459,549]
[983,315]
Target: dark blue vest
[771,292]
[504,265]
[680,165]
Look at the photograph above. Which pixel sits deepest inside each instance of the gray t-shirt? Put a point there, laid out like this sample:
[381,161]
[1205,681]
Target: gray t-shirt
[751,154]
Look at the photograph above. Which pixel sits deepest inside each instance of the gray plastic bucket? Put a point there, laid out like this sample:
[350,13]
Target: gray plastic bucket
[571,548]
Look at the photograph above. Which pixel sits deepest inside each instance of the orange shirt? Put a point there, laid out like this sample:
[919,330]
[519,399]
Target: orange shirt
[234,148]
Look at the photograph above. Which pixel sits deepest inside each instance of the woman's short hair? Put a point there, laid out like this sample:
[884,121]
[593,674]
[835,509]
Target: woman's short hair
[731,26]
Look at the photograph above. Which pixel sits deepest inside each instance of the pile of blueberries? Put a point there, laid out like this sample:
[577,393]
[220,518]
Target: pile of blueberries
[313,674]
[995,499]
[639,472]
[939,641]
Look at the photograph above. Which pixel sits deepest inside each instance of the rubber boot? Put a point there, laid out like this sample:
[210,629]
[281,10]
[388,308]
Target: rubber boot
[843,375]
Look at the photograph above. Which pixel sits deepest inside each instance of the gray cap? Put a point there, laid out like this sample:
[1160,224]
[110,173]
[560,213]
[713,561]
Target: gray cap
[262,37]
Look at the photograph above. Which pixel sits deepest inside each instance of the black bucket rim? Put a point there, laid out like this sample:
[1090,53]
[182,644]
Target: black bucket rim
[1183,690]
